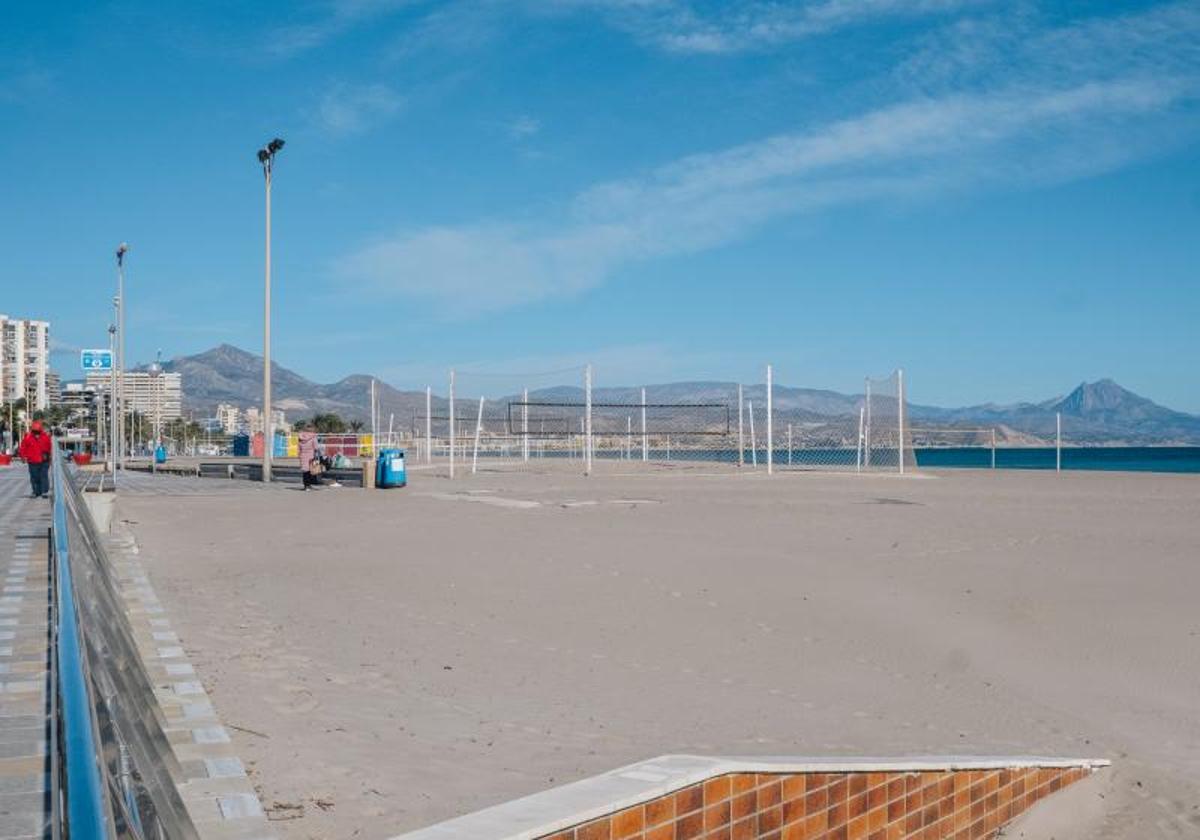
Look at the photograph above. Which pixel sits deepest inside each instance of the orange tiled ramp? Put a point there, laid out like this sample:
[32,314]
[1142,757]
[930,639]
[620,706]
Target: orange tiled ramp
[680,797]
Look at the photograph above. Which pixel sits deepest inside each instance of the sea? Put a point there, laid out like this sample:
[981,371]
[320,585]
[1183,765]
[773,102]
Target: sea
[1167,459]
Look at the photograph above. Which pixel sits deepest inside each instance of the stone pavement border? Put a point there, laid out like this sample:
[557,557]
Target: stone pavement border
[24,659]
[215,789]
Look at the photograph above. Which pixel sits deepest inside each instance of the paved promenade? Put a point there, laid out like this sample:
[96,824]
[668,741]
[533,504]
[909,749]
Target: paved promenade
[24,650]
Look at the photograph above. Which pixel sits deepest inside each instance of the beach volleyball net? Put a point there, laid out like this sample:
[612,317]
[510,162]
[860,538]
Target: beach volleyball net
[564,419]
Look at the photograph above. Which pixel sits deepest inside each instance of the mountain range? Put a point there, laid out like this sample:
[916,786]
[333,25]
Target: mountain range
[1095,413]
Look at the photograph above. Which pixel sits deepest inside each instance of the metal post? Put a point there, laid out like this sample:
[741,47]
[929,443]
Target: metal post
[900,415]
[114,435]
[120,394]
[478,429]
[770,426]
[753,439]
[858,464]
[267,431]
[866,427]
[993,449]
[525,424]
[645,437]
[741,438]
[588,431]
[1058,441]
[628,437]
[452,422]
[789,444]
[428,425]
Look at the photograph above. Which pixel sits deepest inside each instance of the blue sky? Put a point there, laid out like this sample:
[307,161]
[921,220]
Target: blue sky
[1001,197]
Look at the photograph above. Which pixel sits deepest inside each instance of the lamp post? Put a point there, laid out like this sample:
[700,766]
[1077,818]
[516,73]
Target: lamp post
[266,156]
[119,396]
[113,436]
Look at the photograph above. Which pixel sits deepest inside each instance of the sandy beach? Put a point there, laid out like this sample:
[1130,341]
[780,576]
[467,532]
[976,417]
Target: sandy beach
[385,660]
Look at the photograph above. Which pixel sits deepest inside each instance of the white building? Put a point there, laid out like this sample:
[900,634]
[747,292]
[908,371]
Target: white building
[25,361]
[229,418]
[254,421]
[152,395]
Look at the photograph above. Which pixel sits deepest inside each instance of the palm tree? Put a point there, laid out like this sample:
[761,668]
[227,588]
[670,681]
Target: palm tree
[356,425]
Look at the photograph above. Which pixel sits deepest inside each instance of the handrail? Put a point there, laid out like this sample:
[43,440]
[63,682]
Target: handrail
[87,813]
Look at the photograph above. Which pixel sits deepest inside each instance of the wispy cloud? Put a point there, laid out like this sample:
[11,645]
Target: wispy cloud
[25,85]
[330,19]
[681,26]
[350,109]
[523,127]
[1069,121]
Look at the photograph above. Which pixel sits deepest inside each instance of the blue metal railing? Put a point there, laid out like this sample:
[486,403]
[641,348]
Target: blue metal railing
[86,812]
[117,773]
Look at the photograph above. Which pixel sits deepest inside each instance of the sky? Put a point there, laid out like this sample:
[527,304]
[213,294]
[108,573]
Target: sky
[1003,198]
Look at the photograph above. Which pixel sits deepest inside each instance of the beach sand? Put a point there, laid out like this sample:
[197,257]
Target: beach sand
[386,660]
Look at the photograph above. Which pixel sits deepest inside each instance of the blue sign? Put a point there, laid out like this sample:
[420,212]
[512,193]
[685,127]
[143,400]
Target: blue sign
[94,360]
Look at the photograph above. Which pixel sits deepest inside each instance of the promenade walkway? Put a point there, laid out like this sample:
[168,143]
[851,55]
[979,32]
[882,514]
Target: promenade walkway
[24,657]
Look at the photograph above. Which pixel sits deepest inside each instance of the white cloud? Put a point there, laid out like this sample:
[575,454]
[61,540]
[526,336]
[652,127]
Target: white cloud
[683,27]
[350,109]
[334,18]
[1056,117]
[523,127]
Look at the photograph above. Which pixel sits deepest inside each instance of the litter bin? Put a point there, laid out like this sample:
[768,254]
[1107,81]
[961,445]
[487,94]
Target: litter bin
[389,468]
[160,454]
[241,446]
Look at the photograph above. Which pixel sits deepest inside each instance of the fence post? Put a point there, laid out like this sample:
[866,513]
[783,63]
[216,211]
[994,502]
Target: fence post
[993,449]
[789,444]
[741,437]
[866,427]
[428,425]
[587,443]
[478,429]
[452,422]
[858,464]
[1058,441]
[645,436]
[525,425]
[753,438]
[900,416]
[770,425]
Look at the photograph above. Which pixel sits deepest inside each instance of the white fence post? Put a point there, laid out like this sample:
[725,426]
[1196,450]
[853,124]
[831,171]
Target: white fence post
[866,427]
[628,437]
[993,449]
[789,444]
[587,443]
[428,425]
[1058,441]
[741,434]
[770,424]
[452,422]
[858,464]
[900,416]
[753,438]
[525,425]
[645,437]
[478,429]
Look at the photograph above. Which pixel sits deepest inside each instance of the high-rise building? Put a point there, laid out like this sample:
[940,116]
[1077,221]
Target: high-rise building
[229,418]
[25,361]
[254,421]
[152,395]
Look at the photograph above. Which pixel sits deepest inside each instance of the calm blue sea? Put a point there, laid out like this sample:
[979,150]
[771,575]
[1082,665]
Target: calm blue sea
[1174,459]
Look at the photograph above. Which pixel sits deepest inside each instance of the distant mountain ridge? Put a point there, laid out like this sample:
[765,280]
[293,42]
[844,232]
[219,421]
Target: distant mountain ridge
[1095,413]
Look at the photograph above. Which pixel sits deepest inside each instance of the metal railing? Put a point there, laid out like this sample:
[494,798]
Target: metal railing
[117,772]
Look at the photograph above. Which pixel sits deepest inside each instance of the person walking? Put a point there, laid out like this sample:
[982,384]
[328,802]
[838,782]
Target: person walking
[35,452]
[307,442]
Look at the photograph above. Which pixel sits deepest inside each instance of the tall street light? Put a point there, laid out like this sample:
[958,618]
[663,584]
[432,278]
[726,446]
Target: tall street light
[266,156]
[122,249]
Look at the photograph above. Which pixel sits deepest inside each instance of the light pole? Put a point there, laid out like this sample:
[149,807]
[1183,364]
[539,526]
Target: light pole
[113,437]
[119,396]
[266,156]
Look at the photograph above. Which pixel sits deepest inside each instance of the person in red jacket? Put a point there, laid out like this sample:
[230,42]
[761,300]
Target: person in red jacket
[35,452]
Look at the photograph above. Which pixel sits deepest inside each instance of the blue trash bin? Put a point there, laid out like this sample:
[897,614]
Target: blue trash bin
[160,454]
[389,469]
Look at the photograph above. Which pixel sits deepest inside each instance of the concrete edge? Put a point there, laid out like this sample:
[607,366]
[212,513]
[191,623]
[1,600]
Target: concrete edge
[559,808]
[215,787]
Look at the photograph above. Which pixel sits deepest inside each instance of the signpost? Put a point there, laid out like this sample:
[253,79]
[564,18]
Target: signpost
[96,360]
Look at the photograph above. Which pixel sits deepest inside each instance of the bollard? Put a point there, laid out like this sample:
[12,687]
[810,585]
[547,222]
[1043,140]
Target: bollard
[368,475]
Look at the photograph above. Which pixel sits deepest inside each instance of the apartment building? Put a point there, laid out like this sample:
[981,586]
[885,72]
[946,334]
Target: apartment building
[25,361]
[153,395]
